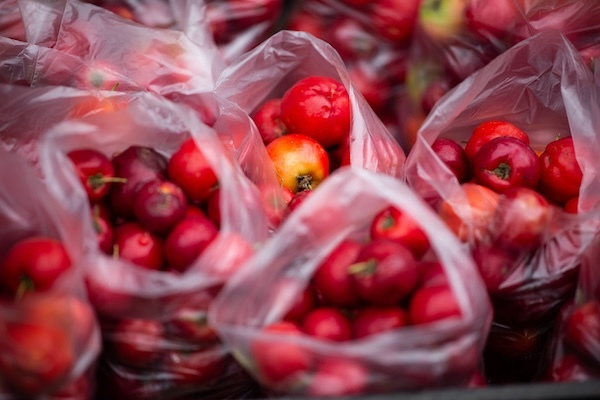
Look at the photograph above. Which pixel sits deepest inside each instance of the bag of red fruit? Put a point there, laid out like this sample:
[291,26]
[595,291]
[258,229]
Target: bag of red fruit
[372,37]
[575,356]
[169,218]
[49,335]
[453,39]
[274,82]
[501,159]
[362,290]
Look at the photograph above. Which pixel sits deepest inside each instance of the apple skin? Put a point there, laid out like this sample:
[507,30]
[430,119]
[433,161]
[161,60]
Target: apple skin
[398,226]
[453,155]
[394,20]
[33,264]
[300,162]
[521,219]
[338,377]
[267,118]
[280,363]
[384,272]
[434,303]
[582,331]
[318,107]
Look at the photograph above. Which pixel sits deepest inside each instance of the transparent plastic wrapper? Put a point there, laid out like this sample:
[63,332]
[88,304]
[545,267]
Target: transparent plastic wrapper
[442,353]
[373,39]
[49,335]
[266,72]
[543,87]
[157,340]
[453,41]
[11,23]
[20,133]
[157,60]
[574,356]
[236,26]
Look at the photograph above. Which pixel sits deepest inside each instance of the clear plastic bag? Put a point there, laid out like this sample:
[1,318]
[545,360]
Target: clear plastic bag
[453,42]
[542,86]
[286,57]
[159,314]
[49,336]
[158,60]
[440,354]
[11,23]
[373,39]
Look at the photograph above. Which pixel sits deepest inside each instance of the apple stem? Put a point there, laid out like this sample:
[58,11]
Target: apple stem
[366,268]
[502,171]
[98,180]
[115,87]
[304,183]
[25,285]
[389,222]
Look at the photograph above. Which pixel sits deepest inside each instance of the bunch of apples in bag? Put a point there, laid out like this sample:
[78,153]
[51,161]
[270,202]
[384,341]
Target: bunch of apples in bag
[372,37]
[169,218]
[363,290]
[454,38]
[308,114]
[507,164]
[49,335]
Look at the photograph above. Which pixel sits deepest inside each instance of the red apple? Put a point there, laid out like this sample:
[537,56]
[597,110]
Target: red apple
[396,225]
[138,165]
[187,240]
[189,169]
[332,279]
[430,304]
[36,356]
[506,162]
[394,20]
[495,264]
[453,155]
[303,305]
[159,205]
[280,362]
[138,246]
[384,272]
[95,171]
[373,320]
[582,331]
[33,264]
[300,162]
[489,130]
[327,323]
[268,120]
[521,220]
[318,107]
[337,377]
